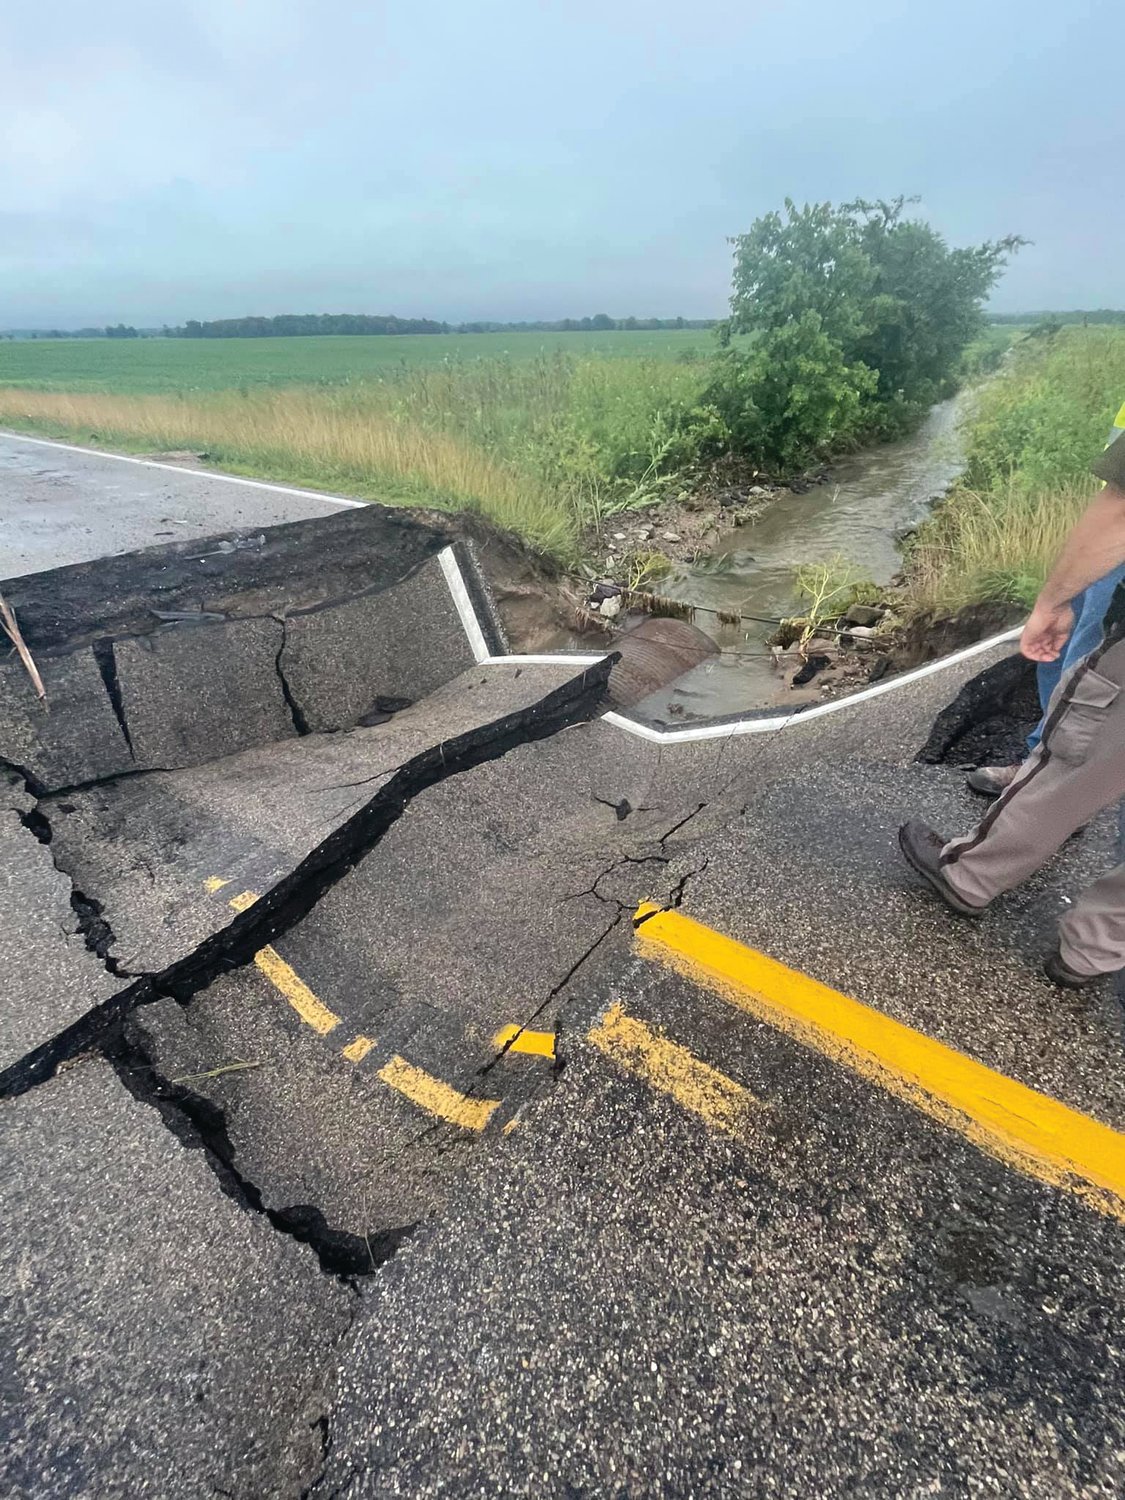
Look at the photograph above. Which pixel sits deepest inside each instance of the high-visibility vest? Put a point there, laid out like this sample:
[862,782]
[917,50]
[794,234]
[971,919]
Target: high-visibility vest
[1115,431]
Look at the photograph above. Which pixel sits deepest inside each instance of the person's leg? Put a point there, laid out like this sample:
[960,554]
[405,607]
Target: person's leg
[1078,769]
[1092,934]
[1047,676]
[1089,612]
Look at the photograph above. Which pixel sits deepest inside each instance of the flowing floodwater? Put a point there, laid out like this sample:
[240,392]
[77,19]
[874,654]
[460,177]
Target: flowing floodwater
[871,500]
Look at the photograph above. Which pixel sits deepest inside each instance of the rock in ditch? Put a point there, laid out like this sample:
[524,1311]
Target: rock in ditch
[864,614]
[813,665]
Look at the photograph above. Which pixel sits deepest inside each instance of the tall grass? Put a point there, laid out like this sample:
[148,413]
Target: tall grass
[1031,437]
[546,448]
[308,437]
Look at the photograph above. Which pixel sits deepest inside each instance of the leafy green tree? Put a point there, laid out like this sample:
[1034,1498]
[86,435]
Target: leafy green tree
[808,261]
[794,394]
[859,317]
[927,302]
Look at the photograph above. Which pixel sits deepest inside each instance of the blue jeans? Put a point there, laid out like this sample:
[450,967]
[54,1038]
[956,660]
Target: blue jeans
[1089,611]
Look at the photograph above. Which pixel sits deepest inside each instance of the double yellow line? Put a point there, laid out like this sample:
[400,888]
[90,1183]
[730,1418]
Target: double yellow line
[1027,1129]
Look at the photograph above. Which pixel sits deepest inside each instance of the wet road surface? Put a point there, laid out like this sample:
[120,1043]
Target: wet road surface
[459,1182]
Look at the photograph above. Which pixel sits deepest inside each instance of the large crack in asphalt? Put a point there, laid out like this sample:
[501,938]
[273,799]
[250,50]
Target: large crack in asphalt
[195,1120]
[296,712]
[96,931]
[105,658]
[198,1123]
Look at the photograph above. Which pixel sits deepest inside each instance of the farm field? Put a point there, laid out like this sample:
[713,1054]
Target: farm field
[158,366]
[546,435]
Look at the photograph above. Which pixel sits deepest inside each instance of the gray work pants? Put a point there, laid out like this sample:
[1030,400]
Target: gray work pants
[1078,768]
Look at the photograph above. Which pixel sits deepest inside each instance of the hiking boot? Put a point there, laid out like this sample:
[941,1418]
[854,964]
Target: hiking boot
[1058,971]
[922,845]
[990,781]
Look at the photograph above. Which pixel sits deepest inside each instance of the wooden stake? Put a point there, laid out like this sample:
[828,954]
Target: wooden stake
[15,635]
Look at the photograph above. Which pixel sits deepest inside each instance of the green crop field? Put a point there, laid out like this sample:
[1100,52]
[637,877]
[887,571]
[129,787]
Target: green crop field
[164,366]
[544,433]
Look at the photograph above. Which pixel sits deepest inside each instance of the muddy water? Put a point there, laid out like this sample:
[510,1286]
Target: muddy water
[861,514]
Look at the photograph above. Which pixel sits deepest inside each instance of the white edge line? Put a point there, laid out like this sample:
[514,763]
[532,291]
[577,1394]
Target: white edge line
[546,659]
[152,463]
[797,718]
[468,616]
[464,605]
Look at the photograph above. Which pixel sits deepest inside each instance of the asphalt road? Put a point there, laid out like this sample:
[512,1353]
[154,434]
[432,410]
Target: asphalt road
[487,1176]
[61,505]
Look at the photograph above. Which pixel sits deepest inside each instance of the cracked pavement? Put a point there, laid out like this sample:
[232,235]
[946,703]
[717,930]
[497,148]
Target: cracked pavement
[340,1191]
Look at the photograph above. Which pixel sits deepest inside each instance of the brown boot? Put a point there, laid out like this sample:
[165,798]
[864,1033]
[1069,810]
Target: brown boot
[990,781]
[922,845]
[1058,971]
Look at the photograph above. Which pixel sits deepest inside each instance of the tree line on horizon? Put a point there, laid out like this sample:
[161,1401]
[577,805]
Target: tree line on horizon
[286,325]
[1094,315]
[291,325]
[296,325]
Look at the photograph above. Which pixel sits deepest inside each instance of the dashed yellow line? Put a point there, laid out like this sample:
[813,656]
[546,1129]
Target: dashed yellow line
[287,981]
[519,1039]
[672,1069]
[421,1088]
[435,1097]
[1024,1128]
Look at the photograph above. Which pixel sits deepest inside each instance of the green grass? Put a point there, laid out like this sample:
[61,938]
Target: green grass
[159,366]
[548,446]
[1031,437]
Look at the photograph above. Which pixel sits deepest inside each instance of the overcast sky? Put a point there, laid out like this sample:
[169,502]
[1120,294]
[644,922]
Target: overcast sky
[517,159]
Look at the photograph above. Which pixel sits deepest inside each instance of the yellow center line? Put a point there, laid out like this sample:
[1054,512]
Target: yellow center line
[1022,1127]
[667,1066]
[287,981]
[519,1039]
[436,1097]
[431,1094]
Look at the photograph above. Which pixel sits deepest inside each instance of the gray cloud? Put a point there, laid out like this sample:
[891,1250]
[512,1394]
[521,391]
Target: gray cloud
[206,158]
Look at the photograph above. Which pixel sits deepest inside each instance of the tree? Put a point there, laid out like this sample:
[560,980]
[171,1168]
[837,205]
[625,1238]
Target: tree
[927,302]
[793,395]
[860,318]
[808,261]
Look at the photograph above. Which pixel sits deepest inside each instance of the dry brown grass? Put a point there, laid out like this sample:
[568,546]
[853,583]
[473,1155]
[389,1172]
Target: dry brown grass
[322,437]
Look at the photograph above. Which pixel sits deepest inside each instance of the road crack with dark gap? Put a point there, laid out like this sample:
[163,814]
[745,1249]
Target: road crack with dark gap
[195,1120]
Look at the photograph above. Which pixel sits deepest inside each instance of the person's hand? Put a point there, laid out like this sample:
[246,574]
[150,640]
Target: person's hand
[1047,631]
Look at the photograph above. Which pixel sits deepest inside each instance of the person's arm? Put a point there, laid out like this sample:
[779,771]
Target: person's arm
[1094,548]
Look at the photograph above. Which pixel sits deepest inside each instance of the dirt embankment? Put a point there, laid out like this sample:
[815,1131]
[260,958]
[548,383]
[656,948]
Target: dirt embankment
[544,608]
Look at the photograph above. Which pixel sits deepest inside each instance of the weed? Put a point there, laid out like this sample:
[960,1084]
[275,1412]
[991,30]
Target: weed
[1031,436]
[829,587]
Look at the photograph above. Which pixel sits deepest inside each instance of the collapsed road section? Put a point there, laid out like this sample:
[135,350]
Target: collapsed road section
[355,1140]
[230,729]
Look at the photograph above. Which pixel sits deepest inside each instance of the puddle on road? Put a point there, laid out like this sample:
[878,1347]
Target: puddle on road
[872,499]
